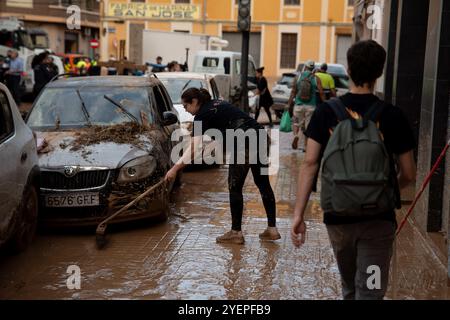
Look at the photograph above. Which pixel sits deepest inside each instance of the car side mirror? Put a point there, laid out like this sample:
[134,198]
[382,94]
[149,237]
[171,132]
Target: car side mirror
[169,118]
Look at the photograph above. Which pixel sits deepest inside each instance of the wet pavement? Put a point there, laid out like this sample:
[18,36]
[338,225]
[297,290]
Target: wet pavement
[179,259]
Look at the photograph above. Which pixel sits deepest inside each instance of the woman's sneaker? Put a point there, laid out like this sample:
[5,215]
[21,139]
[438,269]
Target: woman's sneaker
[234,237]
[270,234]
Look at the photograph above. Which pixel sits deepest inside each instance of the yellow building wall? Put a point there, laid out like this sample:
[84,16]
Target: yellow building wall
[210,29]
[291,14]
[218,9]
[310,43]
[264,10]
[270,49]
[336,10]
[266,14]
[159,25]
[312,10]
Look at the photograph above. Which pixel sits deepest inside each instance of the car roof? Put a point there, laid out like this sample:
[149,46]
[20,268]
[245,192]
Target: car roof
[104,81]
[185,75]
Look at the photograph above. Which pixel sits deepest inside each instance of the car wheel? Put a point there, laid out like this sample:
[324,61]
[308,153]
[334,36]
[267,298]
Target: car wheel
[26,220]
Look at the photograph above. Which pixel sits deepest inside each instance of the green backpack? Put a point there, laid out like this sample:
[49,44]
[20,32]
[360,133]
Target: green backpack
[357,176]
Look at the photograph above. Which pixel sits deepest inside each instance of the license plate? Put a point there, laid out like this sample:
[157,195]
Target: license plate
[86,199]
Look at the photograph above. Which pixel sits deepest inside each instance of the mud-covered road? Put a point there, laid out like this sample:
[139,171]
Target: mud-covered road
[179,259]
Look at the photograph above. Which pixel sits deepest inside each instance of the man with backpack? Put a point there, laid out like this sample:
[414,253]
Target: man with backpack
[363,140]
[304,96]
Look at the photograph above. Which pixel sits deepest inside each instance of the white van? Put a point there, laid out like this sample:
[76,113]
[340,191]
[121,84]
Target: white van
[225,62]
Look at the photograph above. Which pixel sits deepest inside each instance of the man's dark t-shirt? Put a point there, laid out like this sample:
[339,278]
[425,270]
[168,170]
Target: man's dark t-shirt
[394,126]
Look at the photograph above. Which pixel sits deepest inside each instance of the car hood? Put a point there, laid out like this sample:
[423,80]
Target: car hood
[112,155]
[281,90]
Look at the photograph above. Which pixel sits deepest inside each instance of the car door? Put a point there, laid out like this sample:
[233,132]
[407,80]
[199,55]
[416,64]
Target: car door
[10,186]
[214,89]
[163,104]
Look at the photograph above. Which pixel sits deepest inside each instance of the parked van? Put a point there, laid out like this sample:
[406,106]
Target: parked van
[225,62]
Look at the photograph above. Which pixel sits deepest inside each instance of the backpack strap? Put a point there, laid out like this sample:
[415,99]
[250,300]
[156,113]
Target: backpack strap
[338,108]
[374,111]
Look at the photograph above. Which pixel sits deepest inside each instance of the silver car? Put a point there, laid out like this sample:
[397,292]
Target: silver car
[19,176]
[107,139]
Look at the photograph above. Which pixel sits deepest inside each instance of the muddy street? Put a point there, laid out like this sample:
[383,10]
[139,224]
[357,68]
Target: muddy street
[179,259]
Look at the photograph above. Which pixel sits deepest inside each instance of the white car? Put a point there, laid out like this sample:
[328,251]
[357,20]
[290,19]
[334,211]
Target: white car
[19,176]
[177,82]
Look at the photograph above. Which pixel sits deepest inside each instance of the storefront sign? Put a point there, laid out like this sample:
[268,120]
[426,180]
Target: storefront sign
[153,11]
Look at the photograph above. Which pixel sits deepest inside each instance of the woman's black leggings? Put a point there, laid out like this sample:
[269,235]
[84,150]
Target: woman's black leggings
[236,178]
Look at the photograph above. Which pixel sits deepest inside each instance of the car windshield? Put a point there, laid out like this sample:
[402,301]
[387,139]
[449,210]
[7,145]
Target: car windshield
[176,87]
[63,107]
[287,80]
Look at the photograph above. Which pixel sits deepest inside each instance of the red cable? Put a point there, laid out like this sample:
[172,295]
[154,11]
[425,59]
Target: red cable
[424,185]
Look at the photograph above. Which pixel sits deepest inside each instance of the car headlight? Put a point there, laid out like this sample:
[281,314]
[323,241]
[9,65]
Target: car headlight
[137,169]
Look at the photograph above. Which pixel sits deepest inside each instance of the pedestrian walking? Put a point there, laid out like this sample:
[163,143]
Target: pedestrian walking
[327,81]
[359,137]
[265,98]
[302,102]
[221,115]
[158,67]
[13,75]
[43,72]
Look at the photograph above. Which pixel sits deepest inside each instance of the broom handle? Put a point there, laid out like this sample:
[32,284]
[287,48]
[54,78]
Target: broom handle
[149,190]
[424,185]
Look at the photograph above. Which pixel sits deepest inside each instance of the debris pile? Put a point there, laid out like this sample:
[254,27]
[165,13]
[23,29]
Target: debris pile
[124,133]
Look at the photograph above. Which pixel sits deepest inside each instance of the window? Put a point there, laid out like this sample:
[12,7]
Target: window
[226,65]
[215,90]
[160,101]
[210,62]
[6,120]
[182,1]
[291,2]
[288,50]
[251,70]
[89,5]
[350,2]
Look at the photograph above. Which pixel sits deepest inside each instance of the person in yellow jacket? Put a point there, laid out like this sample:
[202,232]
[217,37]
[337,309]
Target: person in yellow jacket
[83,66]
[328,85]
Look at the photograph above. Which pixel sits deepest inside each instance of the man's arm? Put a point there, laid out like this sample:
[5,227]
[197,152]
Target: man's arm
[308,170]
[332,87]
[292,96]
[320,89]
[407,169]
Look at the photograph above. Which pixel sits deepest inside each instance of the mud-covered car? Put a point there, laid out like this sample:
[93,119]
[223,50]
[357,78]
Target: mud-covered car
[19,177]
[106,140]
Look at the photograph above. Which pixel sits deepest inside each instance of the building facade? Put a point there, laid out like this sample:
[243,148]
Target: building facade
[284,32]
[52,17]
[415,35]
